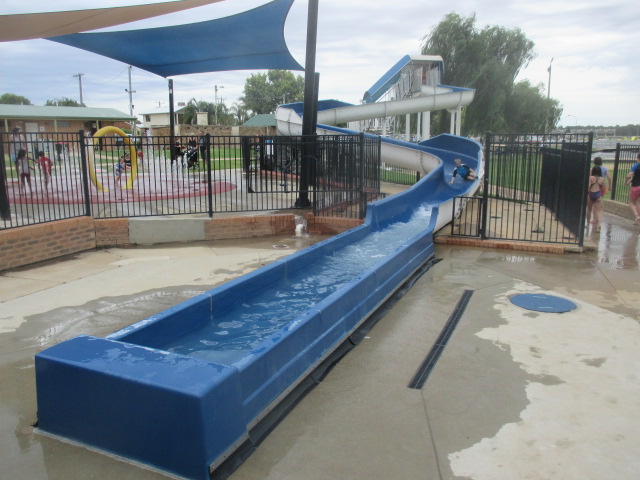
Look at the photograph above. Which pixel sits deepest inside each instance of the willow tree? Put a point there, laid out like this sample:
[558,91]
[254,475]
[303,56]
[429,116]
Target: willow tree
[527,110]
[487,59]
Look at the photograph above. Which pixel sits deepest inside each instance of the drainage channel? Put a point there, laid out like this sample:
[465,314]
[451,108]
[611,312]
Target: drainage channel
[421,376]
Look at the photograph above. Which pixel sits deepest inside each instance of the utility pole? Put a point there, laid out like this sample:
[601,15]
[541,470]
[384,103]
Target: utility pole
[546,127]
[215,112]
[79,75]
[131,92]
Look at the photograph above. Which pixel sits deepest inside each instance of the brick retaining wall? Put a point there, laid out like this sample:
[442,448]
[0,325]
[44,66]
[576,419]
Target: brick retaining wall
[35,243]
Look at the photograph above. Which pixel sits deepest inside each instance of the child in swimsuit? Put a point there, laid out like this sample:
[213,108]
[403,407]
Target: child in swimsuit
[594,200]
[466,172]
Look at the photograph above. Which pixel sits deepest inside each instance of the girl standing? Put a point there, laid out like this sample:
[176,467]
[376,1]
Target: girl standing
[594,199]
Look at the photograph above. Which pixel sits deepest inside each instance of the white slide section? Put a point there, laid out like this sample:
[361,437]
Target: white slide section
[439,98]
[426,102]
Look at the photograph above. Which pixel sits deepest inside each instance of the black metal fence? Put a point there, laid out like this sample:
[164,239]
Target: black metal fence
[107,177]
[399,175]
[534,189]
[626,157]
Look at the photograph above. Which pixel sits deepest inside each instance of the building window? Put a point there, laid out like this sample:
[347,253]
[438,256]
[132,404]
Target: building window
[64,123]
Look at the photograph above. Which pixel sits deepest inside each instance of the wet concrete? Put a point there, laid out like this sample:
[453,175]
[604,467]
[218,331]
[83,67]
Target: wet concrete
[515,394]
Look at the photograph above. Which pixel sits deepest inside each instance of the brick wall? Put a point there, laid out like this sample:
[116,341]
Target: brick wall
[112,232]
[329,225]
[35,243]
[245,227]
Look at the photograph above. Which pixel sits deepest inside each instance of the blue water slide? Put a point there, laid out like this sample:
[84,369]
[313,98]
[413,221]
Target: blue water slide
[193,390]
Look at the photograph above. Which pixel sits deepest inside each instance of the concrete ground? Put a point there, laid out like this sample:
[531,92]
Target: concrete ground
[516,394]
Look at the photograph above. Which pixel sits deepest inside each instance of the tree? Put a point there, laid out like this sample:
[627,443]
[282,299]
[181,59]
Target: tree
[240,113]
[264,92]
[63,102]
[13,99]
[224,117]
[193,107]
[527,110]
[487,60]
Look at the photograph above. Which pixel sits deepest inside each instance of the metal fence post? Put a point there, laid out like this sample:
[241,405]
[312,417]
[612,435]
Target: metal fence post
[614,180]
[5,206]
[85,175]
[363,199]
[485,186]
[207,159]
[585,176]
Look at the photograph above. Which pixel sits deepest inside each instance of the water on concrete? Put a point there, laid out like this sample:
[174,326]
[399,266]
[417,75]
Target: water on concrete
[515,394]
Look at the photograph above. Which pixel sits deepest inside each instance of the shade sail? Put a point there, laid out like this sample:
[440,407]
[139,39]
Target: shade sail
[28,26]
[252,40]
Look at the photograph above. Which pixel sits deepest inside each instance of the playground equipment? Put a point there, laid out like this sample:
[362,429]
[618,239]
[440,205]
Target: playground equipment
[132,155]
[193,390]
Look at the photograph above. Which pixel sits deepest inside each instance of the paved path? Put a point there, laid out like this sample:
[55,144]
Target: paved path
[515,394]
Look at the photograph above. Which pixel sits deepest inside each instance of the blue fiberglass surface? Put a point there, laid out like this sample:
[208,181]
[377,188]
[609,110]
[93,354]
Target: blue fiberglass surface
[236,351]
[232,335]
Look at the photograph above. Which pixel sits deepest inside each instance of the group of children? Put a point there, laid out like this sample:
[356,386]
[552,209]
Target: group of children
[24,169]
[598,181]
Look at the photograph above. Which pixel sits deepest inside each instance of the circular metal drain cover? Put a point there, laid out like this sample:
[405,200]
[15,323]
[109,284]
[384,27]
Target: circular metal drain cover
[541,302]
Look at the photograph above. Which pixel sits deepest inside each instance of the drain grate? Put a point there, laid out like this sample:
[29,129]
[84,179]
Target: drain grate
[430,361]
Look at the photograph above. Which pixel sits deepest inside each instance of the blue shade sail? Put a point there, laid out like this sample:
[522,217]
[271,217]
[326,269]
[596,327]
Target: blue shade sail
[251,40]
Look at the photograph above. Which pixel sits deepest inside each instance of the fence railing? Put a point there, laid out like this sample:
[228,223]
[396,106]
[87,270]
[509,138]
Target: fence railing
[534,189]
[107,178]
[626,157]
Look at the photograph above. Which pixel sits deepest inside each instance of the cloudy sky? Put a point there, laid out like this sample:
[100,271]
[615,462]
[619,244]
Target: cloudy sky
[594,45]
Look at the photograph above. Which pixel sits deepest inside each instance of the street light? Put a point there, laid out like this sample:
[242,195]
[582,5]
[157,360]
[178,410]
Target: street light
[216,103]
[549,83]
[131,92]
[546,127]
[79,75]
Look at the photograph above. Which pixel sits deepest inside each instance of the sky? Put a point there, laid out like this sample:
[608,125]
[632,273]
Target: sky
[592,47]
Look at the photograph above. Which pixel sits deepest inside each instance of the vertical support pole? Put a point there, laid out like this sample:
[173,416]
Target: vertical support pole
[361,163]
[172,124]
[485,186]
[616,166]
[426,125]
[85,175]
[5,207]
[407,127]
[313,167]
[207,159]
[308,125]
[585,176]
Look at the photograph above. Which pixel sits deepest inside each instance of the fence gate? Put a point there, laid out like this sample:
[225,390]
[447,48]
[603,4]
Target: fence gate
[534,190]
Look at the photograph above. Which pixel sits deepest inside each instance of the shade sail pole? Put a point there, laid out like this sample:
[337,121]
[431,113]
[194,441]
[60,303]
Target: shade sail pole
[172,125]
[308,127]
[308,124]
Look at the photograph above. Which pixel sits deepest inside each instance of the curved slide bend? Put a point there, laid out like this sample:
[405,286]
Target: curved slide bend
[193,390]
[435,155]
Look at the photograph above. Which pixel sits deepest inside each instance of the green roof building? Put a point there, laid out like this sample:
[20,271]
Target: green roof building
[51,119]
